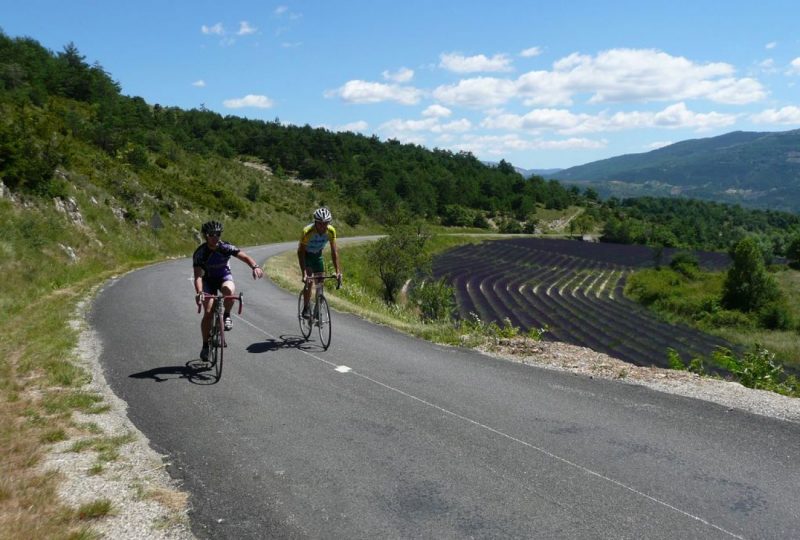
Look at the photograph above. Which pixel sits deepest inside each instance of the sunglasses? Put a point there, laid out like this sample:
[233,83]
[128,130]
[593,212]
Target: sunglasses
[217,234]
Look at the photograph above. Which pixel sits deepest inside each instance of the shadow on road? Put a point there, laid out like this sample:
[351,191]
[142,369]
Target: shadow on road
[195,371]
[283,342]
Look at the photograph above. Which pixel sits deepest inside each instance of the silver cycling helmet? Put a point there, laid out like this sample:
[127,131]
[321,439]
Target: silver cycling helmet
[211,227]
[323,214]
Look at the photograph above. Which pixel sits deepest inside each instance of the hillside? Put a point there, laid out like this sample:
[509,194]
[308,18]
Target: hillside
[760,170]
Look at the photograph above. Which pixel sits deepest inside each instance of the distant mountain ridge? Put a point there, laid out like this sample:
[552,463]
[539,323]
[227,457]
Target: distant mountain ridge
[756,169]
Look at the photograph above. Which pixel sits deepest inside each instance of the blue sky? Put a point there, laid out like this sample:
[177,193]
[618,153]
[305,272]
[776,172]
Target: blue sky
[540,84]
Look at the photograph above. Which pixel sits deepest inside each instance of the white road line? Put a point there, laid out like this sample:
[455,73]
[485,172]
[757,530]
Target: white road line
[512,438]
[343,369]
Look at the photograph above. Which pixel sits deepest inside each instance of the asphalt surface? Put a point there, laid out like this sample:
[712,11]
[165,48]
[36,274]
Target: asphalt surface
[386,436]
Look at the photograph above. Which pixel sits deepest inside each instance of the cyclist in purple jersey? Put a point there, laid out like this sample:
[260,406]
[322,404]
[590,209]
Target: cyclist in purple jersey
[212,273]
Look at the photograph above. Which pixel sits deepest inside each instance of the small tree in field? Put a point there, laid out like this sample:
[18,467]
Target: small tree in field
[397,257]
[748,287]
[793,253]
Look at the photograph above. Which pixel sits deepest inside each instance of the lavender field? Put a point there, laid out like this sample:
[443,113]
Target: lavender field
[576,289]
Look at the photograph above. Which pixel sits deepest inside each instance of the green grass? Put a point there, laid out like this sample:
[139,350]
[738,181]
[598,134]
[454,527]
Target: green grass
[695,301]
[95,509]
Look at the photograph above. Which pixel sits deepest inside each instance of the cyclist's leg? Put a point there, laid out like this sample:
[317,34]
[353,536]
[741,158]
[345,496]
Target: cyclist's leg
[314,265]
[228,288]
[209,287]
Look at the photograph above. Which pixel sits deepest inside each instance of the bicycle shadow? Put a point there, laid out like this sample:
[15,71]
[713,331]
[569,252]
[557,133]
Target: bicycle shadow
[194,371]
[270,345]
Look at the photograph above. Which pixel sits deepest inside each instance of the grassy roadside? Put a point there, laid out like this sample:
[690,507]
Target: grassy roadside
[361,294]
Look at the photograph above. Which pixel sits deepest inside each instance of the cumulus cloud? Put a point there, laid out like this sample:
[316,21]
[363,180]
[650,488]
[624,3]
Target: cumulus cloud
[217,29]
[402,75]
[794,67]
[471,64]
[199,83]
[502,145]
[480,92]
[786,115]
[568,123]
[531,52]
[250,100]
[245,29]
[437,111]
[614,76]
[357,91]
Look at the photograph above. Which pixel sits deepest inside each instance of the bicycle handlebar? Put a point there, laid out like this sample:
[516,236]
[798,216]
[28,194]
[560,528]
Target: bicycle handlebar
[321,278]
[220,297]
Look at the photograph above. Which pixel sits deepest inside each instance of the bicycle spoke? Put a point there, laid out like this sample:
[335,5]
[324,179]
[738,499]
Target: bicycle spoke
[324,322]
[305,324]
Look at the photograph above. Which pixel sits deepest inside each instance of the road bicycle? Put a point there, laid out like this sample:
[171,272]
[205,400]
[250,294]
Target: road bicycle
[216,338]
[318,306]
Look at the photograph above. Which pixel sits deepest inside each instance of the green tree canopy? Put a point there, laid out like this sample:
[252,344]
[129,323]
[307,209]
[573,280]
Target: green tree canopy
[748,287]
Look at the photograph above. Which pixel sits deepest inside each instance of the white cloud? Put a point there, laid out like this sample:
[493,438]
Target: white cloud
[785,115]
[357,126]
[623,75]
[437,111]
[480,92]
[280,10]
[245,29]
[357,91]
[217,29]
[767,66]
[250,100]
[531,52]
[771,45]
[502,145]
[470,64]
[794,67]
[400,76]
[199,84]
[567,123]
[398,127]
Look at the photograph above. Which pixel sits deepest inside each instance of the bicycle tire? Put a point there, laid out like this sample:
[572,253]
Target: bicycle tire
[217,345]
[323,319]
[305,324]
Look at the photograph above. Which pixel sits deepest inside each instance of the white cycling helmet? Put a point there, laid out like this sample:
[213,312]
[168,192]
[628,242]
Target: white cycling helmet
[323,214]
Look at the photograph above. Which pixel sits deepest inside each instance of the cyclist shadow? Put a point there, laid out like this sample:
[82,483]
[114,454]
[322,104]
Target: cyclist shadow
[270,345]
[194,371]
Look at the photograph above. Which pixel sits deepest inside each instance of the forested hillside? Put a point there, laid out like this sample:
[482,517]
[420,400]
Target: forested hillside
[760,170]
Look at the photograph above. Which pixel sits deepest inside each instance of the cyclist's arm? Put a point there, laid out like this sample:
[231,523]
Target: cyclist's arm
[301,257]
[335,256]
[198,280]
[244,257]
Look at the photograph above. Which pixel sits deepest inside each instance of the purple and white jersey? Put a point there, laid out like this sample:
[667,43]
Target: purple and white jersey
[215,262]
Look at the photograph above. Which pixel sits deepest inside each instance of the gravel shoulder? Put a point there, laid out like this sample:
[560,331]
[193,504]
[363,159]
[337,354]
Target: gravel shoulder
[148,503]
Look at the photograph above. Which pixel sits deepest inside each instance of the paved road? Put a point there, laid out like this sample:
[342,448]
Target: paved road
[422,441]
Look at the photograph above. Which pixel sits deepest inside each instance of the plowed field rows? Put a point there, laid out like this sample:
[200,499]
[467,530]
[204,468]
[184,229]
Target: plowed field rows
[574,288]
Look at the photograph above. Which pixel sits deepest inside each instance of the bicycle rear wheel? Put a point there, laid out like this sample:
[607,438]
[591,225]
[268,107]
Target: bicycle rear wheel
[305,324]
[324,322]
[217,345]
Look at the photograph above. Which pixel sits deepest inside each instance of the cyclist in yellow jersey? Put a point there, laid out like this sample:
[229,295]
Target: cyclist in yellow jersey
[309,251]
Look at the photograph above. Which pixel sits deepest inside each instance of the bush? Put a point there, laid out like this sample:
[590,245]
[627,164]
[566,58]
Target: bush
[776,316]
[685,263]
[726,318]
[758,369]
[352,218]
[434,299]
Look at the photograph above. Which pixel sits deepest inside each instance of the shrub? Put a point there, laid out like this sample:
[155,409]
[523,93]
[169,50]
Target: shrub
[748,286]
[727,318]
[776,316]
[758,369]
[434,299]
[352,218]
[685,263]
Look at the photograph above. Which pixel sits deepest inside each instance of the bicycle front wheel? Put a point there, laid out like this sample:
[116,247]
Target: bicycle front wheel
[305,324]
[324,322]
[217,345]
